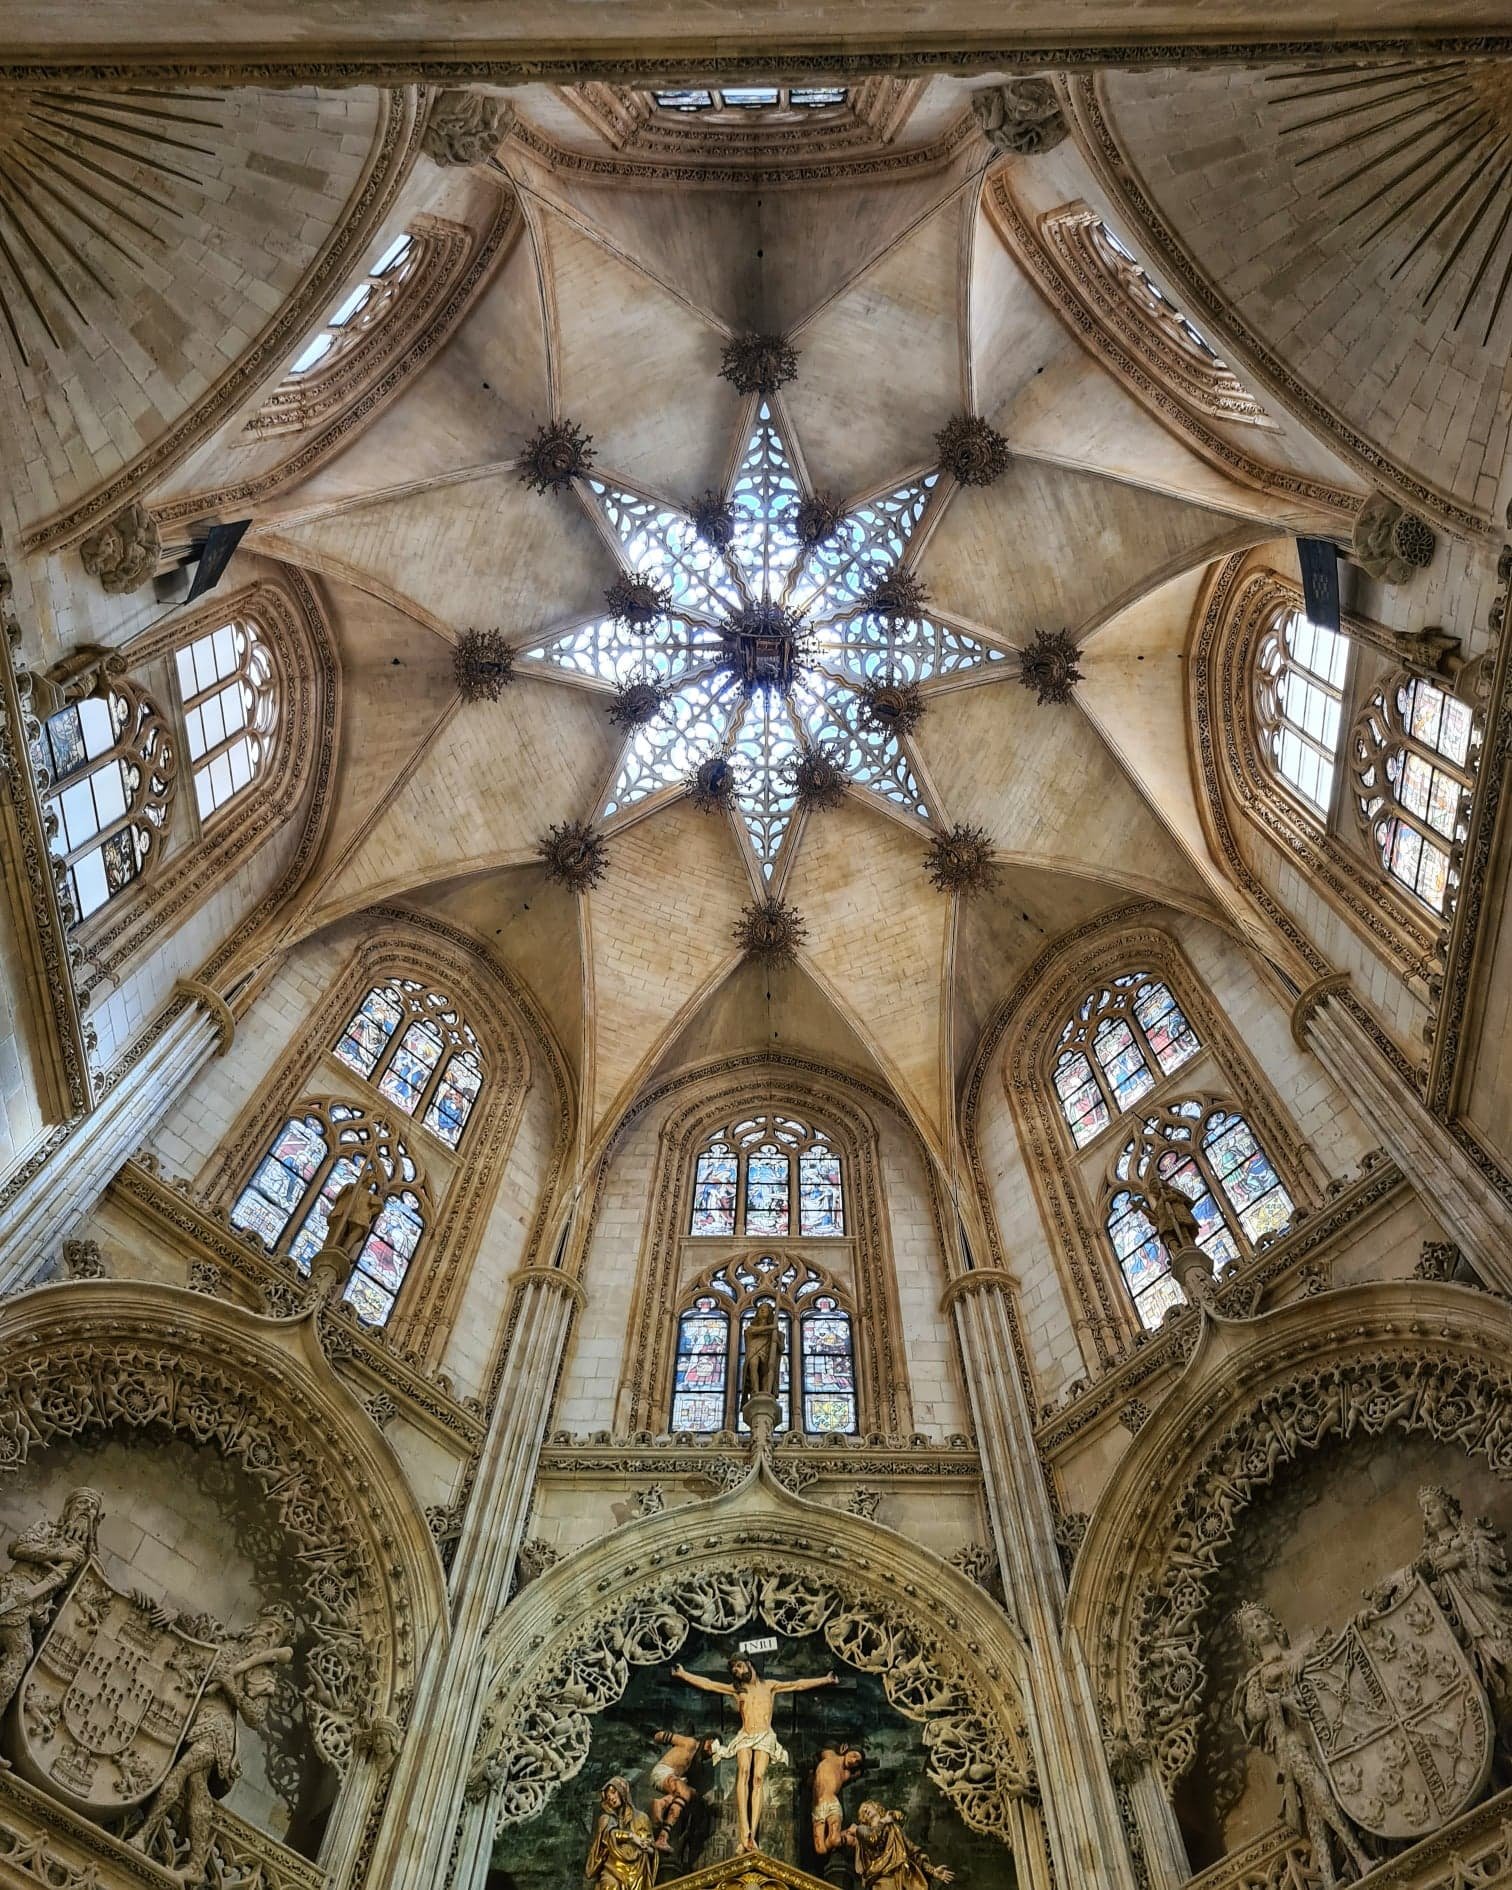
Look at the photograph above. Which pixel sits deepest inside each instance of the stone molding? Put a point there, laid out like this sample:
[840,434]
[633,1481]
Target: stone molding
[979,1280]
[1257,1395]
[1473,1850]
[96,1356]
[395,148]
[221,1013]
[716,1460]
[1309,998]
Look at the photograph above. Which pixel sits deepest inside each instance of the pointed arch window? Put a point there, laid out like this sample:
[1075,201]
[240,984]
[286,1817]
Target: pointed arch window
[1300,669]
[286,1202]
[1210,1153]
[1122,1039]
[413,1045]
[226,686]
[1414,749]
[707,1369]
[768,1177]
[113,780]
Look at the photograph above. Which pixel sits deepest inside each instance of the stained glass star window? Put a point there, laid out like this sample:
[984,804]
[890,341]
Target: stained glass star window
[768,644]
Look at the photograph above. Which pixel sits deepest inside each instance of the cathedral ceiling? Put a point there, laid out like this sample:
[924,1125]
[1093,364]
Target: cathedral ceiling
[906,306]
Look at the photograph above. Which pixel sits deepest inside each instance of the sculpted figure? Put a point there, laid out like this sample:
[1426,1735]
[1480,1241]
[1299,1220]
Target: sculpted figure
[622,1854]
[669,1782]
[1270,1715]
[1466,1566]
[1021,117]
[1172,1214]
[240,1686]
[43,1559]
[763,1354]
[836,1768]
[353,1212]
[885,1857]
[755,1746]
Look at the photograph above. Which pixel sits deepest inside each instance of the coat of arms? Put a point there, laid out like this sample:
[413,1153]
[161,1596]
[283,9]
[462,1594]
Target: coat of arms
[106,1700]
[1402,1724]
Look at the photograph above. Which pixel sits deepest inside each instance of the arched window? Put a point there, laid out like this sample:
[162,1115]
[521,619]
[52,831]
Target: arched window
[112,787]
[734,99]
[411,1043]
[287,1202]
[705,1389]
[1210,1154]
[1120,1041]
[360,309]
[230,708]
[1299,697]
[1412,762]
[768,1177]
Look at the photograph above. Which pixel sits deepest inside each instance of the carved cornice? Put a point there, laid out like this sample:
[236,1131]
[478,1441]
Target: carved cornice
[803,1463]
[388,164]
[1220,317]
[1163,1353]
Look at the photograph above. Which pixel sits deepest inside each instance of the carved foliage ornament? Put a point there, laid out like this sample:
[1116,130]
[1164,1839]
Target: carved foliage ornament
[554,456]
[465,127]
[972,452]
[546,1739]
[713,518]
[1448,1399]
[484,664]
[758,364]
[1021,117]
[897,708]
[637,601]
[1049,665]
[123,552]
[771,930]
[711,785]
[1390,542]
[637,701]
[574,855]
[818,780]
[817,519]
[962,861]
[898,595]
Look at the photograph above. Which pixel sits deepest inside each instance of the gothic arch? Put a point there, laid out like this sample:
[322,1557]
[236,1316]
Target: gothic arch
[954,1661]
[95,1356]
[812,1093]
[1412,1355]
[1028,1031]
[410,947]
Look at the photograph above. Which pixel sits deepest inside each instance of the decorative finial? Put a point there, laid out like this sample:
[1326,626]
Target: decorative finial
[1049,665]
[711,785]
[899,594]
[962,861]
[556,454]
[897,707]
[483,663]
[713,519]
[974,453]
[818,780]
[574,855]
[637,701]
[771,930]
[759,364]
[635,602]
[816,520]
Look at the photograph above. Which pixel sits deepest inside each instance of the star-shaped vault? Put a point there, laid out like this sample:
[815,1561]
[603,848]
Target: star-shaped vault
[845,655]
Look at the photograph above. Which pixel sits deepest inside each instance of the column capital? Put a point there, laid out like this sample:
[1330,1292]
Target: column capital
[1308,1000]
[978,1280]
[221,1014]
[552,1276]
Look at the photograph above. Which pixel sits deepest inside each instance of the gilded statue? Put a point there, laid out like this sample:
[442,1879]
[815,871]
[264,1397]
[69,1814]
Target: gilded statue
[1269,1710]
[755,1746]
[837,1767]
[884,1857]
[239,1686]
[671,1793]
[43,1559]
[622,1853]
[762,1374]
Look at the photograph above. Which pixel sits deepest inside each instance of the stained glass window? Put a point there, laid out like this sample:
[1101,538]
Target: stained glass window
[706,1392]
[765,1177]
[286,1203]
[1414,757]
[1299,687]
[411,1042]
[732,100]
[1136,1033]
[360,309]
[113,778]
[1210,1155]
[226,687]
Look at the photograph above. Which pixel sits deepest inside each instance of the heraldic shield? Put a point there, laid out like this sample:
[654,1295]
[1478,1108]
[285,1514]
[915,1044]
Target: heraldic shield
[1401,1720]
[103,1706]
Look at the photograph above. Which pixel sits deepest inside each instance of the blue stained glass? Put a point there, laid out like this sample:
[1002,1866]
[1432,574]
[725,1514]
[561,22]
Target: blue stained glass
[766,1192]
[821,1210]
[714,1185]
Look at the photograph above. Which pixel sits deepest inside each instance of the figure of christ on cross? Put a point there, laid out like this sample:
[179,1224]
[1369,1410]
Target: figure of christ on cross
[755,1746]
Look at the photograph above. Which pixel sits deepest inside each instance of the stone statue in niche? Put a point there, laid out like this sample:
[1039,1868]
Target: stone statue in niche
[354,1212]
[44,1558]
[622,1853]
[238,1685]
[1172,1214]
[1465,1564]
[674,1795]
[755,1746]
[836,1768]
[762,1374]
[884,1856]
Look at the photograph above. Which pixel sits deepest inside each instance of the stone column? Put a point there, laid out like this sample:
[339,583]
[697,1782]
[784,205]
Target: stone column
[425,1799]
[1470,1207]
[78,1168]
[1080,1805]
